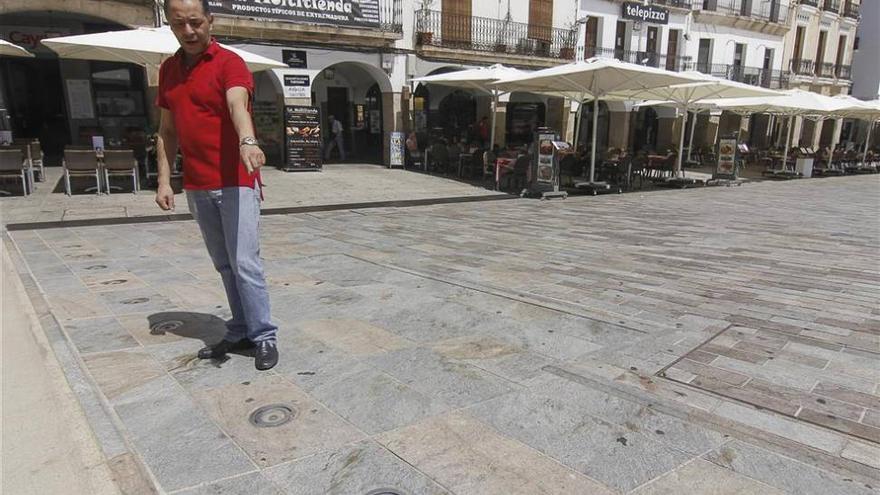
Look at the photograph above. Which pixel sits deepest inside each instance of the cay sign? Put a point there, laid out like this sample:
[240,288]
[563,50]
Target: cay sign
[645,13]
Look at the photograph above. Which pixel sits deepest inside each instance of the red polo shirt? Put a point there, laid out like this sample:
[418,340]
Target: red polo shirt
[196,97]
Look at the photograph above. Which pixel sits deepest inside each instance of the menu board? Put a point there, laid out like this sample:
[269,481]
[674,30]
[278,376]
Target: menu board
[397,139]
[302,130]
[545,158]
[726,158]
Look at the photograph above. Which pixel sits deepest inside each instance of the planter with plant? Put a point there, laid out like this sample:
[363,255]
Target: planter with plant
[424,32]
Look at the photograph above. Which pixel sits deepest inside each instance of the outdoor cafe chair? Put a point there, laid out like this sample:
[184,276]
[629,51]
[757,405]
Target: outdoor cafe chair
[81,163]
[35,155]
[518,176]
[13,163]
[439,157]
[121,162]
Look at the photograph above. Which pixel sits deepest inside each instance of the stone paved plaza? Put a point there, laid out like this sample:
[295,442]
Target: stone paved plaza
[703,341]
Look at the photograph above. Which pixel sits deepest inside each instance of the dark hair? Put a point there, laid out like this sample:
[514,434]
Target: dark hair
[205,7]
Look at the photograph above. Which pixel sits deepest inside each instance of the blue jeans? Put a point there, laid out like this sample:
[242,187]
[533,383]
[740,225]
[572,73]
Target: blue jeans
[336,142]
[229,219]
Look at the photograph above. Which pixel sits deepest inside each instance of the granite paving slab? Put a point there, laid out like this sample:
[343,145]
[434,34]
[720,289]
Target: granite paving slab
[499,347]
[458,451]
[291,426]
[742,364]
[360,468]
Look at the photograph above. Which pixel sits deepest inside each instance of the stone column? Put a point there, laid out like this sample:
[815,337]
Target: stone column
[501,124]
[796,134]
[619,129]
[555,116]
[743,130]
[666,133]
[817,134]
[710,134]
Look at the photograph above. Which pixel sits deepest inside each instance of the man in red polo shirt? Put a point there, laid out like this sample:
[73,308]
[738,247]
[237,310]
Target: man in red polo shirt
[204,95]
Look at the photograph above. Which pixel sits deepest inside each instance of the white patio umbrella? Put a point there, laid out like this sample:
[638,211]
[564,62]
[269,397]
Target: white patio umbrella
[479,79]
[791,103]
[12,50]
[696,108]
[857,109]
[594,78]
[686,96]
[143,46]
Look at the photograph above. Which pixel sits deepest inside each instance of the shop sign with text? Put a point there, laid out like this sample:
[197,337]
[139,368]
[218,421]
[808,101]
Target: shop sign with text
[297,86]
[354,13]
[645,13]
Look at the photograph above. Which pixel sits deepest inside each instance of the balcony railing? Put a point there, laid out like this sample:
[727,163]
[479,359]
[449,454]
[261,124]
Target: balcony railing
[825,69]
[462,32]
[774,11]
[843,71]
[812,3]
[851,10]
[390,15]
[803,67]
[756,76]
[660,60]
[677,4]
[831,6]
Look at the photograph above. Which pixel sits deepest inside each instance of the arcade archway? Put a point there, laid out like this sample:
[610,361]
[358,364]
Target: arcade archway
[355,94]
[67,102]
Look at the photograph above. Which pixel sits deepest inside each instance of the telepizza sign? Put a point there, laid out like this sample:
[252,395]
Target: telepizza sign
[353,13]
[645,13]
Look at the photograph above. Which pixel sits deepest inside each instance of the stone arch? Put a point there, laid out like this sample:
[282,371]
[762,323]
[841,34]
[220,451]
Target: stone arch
[127,14]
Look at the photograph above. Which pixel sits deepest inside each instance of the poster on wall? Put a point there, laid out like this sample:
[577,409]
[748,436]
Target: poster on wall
[79,97]
[351,13]
[297,86]
[302,129]
[270,130]
[397,140]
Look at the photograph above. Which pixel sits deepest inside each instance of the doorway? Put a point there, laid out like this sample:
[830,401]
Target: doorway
[35,95]
[337,106]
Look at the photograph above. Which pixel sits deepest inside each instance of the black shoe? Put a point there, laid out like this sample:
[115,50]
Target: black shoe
[266,356]
[223,347]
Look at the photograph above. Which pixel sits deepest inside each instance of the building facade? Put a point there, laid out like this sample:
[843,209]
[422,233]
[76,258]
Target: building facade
[866,70]
[355,59]
[819,47]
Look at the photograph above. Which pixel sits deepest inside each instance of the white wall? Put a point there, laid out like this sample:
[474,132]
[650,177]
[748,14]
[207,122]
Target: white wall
[724,43]
[723,37]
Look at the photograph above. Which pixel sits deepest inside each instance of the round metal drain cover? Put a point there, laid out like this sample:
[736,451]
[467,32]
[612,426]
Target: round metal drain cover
[385,491]
[272,415]
[135,300]
[165,326]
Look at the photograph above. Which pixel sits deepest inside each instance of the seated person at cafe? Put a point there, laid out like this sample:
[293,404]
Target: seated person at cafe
[413,154]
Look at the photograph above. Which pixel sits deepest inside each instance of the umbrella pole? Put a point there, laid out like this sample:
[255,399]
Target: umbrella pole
[494,118]
[577,123]
[833,145]
[684,121]
[595,132]
[787,142]
[691,140]
[867,142]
